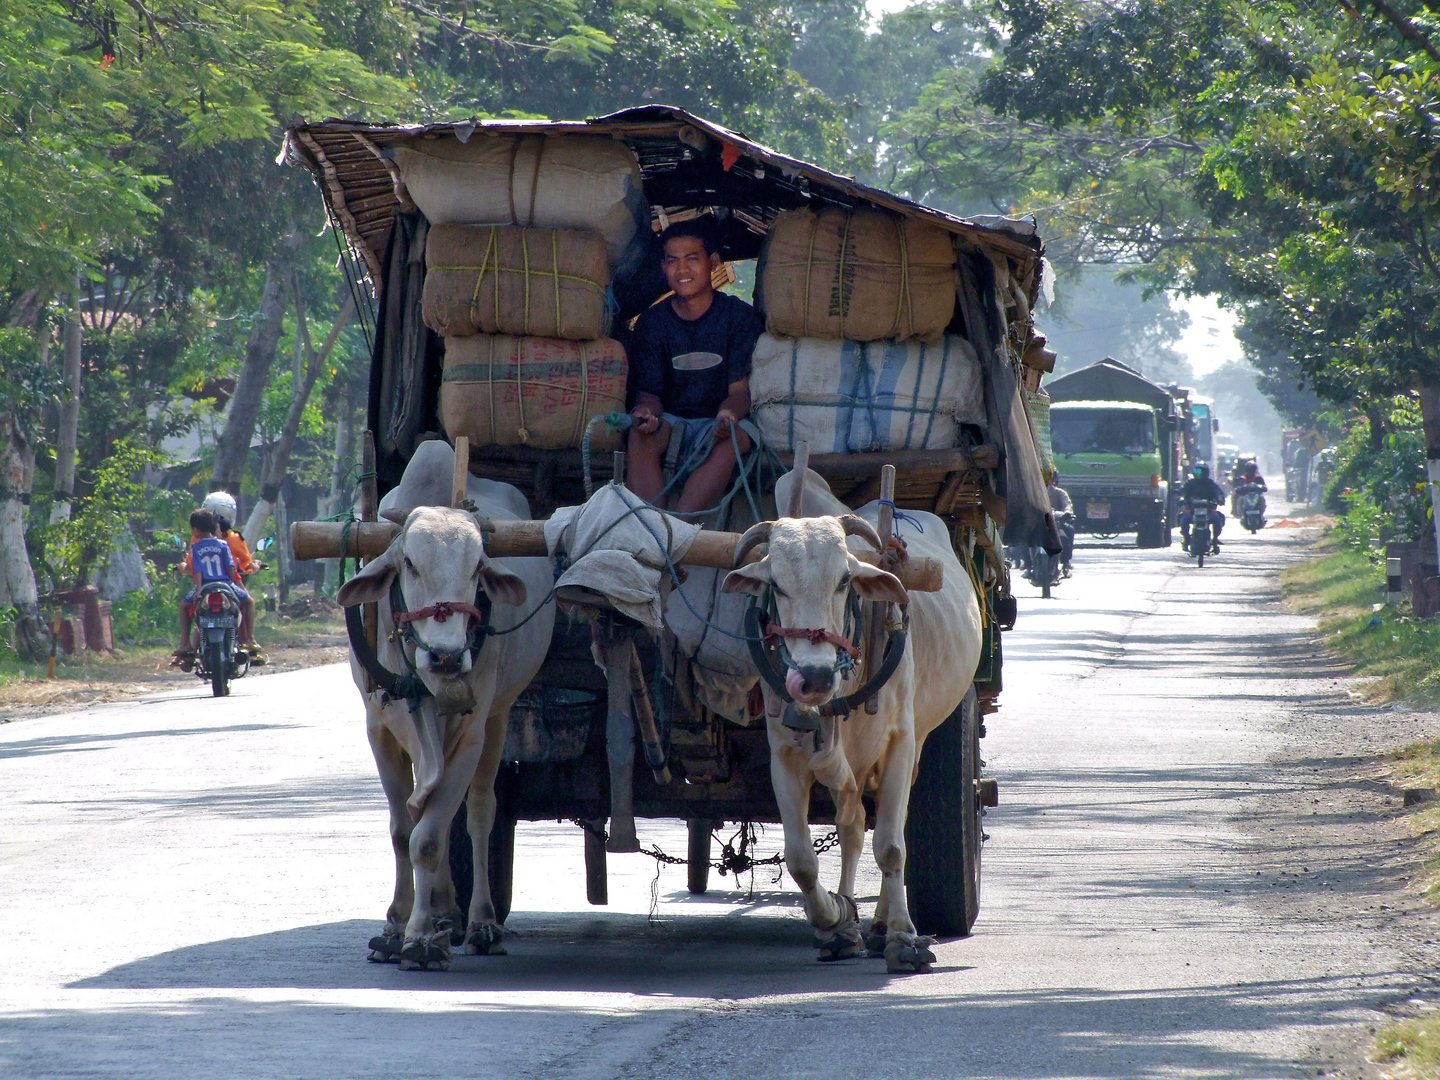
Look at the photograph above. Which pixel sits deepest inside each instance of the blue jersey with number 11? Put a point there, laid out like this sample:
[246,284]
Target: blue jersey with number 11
[212,560]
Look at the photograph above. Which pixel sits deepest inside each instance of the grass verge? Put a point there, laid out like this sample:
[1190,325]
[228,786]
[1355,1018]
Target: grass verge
[1398,653]
[1415,1043]
[1401,657]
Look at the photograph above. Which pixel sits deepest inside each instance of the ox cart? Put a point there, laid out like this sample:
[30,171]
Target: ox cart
[601,747]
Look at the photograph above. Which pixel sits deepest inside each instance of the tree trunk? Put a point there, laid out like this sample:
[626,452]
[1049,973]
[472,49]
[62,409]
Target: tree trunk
[17,577]
[339,472]
[233,445]
[282,550]
[69,415]
[277,461]
[1430,416]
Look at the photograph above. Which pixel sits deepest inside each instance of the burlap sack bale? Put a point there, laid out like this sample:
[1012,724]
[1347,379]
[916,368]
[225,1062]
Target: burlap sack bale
[506,391]
[503,279]
[855,397]
[555,182]
[862,275]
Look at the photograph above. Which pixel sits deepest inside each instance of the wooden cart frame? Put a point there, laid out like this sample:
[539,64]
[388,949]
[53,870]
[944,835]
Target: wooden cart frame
[571,752]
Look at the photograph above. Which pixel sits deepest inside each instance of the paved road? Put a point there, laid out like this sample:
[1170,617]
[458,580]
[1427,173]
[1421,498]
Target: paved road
[1183,880]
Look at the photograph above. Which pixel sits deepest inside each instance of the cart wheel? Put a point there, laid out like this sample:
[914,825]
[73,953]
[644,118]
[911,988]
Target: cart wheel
[943,837]
[698,864]
[502,863]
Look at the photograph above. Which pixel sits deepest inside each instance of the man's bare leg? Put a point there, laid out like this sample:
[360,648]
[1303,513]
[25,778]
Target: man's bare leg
[708,483]
[643,473]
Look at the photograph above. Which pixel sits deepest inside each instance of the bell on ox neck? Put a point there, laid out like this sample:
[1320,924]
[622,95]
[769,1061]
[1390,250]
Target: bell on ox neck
[454,696]
[799,719]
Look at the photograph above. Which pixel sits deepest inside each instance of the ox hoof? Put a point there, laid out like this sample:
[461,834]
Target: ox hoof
[432,954]
[875,939]
[484,940]
[906,953]
[385,949]
[843,940]
[452,923]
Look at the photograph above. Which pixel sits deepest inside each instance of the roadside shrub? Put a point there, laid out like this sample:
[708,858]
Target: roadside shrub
[1381,491]
[149,618]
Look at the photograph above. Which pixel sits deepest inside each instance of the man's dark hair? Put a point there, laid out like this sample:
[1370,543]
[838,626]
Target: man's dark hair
[203,521]
[701,228]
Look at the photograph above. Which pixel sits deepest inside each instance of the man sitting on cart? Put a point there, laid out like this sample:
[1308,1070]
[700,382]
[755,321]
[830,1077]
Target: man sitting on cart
[691,360]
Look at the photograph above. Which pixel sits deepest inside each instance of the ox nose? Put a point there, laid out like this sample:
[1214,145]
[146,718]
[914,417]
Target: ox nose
[446,661]
[815,679]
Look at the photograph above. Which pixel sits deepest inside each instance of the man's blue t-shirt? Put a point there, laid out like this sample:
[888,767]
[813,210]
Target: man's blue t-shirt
[212,560]
[690,364]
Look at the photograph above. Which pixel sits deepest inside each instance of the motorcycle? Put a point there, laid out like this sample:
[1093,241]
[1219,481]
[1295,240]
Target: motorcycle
[1045,570]
[1251,505]
[217,618]
[1200,543]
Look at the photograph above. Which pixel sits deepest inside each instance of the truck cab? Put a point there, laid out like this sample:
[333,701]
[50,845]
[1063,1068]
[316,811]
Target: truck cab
[1108,457]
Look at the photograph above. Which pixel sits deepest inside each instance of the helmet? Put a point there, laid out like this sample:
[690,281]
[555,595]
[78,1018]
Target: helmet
[1201,469]
[222,505]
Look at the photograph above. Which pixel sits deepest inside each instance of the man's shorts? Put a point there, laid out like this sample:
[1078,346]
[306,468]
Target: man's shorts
[690,442]
[240,594]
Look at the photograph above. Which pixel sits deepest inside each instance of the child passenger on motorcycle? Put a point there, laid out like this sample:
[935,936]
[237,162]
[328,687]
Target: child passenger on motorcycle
[210,560]
[1200,486]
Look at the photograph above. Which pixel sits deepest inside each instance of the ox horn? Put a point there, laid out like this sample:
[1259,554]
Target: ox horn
[757,534]
[854,525]
[399,517]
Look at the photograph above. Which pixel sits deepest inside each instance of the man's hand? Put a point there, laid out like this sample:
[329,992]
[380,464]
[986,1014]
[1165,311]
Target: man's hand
[646,420]
[725,419]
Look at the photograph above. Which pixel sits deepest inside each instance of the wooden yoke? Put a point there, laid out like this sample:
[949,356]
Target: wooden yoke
[460,478]
[526,539]
[797,490]
[878,612]
[369,511]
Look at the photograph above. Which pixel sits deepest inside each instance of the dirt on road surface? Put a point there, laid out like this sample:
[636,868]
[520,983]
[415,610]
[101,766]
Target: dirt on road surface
[1196,870]
[141,672]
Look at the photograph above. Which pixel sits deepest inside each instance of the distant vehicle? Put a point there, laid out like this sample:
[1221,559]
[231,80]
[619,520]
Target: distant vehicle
[1118,451]
[217,617]
[1250,501]
[1044,570]
[1201,543]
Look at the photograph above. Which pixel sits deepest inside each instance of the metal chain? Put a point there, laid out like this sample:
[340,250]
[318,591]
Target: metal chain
[734,853]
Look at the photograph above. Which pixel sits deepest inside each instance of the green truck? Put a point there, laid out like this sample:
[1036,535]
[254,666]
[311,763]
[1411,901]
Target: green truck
[1119,451]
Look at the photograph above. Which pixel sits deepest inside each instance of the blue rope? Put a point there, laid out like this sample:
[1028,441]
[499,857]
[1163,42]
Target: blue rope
[901,515]
[674,572]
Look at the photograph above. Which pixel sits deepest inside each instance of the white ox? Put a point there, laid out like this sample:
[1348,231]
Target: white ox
[452,741]
[809,571]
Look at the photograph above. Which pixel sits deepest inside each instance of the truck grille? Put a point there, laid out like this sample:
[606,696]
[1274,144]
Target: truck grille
[1119,487]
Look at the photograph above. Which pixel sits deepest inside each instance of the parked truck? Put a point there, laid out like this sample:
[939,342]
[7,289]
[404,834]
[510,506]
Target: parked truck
[1119,451]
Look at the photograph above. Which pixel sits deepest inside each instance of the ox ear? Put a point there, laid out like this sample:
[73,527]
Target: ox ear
[501,585]
[872,583]
[753,578]
[371,584]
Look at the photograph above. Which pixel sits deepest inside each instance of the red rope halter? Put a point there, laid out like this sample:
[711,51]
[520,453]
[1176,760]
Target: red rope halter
[815,637]
[439,612]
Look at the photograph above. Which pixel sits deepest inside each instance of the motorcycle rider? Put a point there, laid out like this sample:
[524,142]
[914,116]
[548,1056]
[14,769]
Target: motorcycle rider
[1249,475]
[1201,486]
[223,508]
[1064,519]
